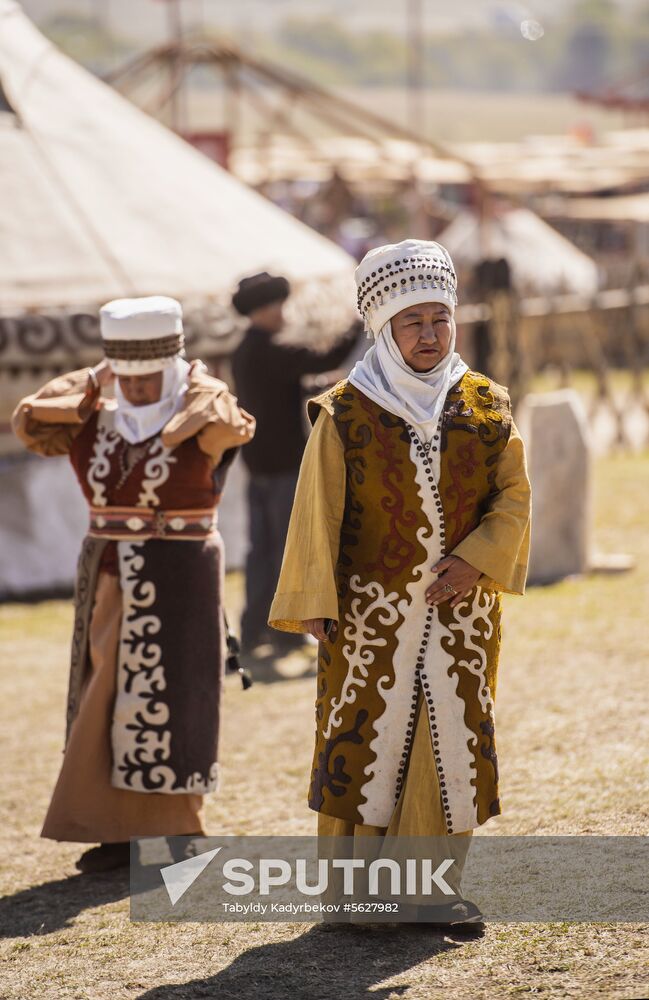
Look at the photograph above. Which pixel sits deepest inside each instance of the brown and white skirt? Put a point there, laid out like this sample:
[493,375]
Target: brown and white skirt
[144,695]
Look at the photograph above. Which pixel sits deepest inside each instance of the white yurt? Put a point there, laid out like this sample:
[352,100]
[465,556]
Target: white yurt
[542,261]
[98,201]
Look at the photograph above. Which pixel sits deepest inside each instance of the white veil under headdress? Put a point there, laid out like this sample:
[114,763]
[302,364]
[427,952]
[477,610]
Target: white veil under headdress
[389,279]
[416,397]
[137,423]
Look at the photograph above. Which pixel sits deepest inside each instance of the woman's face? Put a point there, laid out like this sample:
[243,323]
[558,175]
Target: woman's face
[423,334]
[141,390]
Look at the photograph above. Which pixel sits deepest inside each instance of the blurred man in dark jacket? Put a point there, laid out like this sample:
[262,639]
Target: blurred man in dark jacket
[268,377]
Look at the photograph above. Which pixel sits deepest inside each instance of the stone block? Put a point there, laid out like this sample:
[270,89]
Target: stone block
[555,430]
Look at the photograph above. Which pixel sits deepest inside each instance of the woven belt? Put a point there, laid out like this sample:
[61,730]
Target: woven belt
[141,523]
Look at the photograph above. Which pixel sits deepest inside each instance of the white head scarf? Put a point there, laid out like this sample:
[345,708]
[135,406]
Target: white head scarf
[416,397]
[389,279]
[137,423]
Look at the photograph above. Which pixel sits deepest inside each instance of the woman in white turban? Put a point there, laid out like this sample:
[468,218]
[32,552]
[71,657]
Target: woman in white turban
[411,517]
[145,678]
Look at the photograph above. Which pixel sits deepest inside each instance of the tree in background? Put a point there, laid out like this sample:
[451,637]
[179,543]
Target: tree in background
[591,44]
[587,59]
[87,41]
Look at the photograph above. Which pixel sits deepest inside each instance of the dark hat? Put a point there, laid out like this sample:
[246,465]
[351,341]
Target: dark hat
[259,290]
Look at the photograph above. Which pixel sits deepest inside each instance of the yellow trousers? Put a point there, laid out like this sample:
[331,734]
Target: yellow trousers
[418,813]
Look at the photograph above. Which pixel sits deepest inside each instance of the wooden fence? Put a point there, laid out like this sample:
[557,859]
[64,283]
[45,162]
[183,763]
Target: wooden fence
[600,345]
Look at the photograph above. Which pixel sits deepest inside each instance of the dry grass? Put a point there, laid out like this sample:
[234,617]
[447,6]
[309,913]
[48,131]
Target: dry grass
[573,753]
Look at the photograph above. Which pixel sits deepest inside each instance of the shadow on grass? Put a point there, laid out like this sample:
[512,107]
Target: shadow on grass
[272,667]
[49,907]
[336,962]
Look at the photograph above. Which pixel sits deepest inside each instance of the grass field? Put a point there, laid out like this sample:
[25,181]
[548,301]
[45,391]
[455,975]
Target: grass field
[448,115]
[574,757]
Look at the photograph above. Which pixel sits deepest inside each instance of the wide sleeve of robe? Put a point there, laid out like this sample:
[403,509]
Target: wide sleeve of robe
[499,547]
[210,413]
[48,421]
[307,584]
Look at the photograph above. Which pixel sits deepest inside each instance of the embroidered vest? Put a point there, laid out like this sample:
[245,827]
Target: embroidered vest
[406,506]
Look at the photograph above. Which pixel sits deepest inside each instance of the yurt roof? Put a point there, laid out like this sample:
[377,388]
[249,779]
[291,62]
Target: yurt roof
[100,200]
[541,259]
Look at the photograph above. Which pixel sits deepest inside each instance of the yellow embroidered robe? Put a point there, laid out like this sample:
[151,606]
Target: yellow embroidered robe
[374,510]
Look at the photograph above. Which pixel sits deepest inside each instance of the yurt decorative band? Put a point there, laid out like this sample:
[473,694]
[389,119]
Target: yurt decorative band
[141,524]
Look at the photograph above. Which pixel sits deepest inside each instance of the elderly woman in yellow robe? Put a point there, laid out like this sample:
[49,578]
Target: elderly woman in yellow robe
[411,517]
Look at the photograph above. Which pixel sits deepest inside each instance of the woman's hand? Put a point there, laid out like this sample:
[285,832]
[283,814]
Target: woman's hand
[97,378]
[91,395]
[316,626]
[104,373]
[455,573]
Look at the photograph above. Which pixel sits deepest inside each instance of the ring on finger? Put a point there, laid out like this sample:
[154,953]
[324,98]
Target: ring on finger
[448,589]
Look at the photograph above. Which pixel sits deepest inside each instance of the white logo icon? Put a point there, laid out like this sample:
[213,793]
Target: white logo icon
[179,877]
